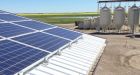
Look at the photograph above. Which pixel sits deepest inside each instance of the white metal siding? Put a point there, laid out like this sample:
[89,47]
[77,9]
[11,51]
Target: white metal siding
[75,60]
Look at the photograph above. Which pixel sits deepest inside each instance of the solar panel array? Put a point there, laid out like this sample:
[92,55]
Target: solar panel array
[26,41]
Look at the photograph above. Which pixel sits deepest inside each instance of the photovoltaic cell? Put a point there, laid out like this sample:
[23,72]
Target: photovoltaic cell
[15,57]
[43,41]
[9,17]
[64,33]
[34,25]
[8,30]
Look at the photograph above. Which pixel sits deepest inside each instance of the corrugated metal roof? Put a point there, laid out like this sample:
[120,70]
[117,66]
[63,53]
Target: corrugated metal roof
[78,59]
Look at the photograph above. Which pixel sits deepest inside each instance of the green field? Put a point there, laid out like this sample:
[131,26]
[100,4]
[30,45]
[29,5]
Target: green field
[58,18]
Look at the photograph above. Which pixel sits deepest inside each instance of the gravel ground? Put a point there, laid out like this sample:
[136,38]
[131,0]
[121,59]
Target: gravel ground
[120,57]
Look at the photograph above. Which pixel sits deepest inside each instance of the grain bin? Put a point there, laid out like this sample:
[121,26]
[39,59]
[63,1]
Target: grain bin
[92,26]
[95,23]
[133,17]
[97,26]
[119,17]
[80,24]
[86,24]
[105,18]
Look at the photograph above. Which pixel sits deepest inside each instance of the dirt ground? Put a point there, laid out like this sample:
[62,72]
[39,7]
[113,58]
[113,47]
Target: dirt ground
[121,55]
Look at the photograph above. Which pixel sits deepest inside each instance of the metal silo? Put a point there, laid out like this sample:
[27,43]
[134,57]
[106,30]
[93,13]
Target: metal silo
[92,26]
[97,26]
[86,24]
[105,18]
[133,17]
[119,17]
[95,23]
[80,24]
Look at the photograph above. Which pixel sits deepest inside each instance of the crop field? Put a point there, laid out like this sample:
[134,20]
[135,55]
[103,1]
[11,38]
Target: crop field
[59,18]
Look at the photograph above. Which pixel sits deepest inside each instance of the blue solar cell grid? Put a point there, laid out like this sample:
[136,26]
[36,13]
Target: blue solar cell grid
[8,30]
[43,41]
[15,57]
[64,33]
[9,17]
[34,25]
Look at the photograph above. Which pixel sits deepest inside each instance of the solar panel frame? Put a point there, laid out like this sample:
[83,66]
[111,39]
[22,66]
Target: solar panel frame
[20,49]
[2,38]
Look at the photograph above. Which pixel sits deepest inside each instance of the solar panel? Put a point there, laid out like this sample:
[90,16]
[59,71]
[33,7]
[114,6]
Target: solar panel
[64,33]
[15,57]
[8,30]
[34,25]
[10,17]
[43,41]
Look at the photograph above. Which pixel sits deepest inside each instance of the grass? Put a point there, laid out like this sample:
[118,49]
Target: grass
[58,18]
[59,14]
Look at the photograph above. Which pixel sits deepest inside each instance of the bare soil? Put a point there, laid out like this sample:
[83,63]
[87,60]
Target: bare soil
[121,55]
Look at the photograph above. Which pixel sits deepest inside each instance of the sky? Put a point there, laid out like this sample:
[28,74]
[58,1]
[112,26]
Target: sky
[49,6]
[25,6]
